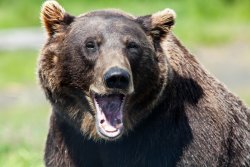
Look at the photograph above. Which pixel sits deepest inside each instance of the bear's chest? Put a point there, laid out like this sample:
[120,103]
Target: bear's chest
[149,148]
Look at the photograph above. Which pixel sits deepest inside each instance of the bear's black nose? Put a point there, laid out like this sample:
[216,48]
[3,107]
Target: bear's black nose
[117,78]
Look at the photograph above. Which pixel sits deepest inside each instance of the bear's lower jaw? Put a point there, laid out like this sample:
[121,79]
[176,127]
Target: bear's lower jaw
[109,135]
[109,115]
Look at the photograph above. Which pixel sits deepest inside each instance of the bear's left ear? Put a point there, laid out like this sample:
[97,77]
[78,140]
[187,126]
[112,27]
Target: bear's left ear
[54,18]
[158,24]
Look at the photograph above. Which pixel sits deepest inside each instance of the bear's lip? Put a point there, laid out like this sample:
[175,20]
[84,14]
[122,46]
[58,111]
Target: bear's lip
[109,114]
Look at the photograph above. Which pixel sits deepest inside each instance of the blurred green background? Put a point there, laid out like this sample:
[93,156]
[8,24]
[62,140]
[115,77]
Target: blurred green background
[216,31]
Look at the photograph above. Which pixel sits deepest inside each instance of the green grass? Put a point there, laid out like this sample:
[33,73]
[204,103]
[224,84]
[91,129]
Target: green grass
[17,68]
[199,21]
[23,124]
[26,12]
[23,130]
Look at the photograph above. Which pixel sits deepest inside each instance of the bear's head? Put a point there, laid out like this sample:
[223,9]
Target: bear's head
[103,71]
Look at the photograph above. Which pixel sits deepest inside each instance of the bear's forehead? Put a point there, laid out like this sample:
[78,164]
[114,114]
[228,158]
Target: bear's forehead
[107,21]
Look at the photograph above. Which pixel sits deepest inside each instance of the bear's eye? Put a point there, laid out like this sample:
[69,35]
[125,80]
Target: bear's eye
[90,45]
[133,47]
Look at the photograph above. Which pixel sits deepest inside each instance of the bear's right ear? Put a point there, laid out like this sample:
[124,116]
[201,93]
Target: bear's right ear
[158,24]
[54,18]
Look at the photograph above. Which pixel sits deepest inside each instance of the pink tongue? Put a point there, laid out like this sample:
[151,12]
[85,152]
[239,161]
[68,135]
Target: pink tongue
[110,105]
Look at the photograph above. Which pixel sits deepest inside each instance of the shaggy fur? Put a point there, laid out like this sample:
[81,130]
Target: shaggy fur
[175,113]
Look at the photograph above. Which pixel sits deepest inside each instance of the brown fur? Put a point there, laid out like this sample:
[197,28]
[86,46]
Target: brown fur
[226,116]
[175,114]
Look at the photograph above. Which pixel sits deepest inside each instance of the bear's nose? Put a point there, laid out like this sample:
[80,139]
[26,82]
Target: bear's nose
[116,78]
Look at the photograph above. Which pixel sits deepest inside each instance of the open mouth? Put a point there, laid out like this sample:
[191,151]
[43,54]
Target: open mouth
[109,110]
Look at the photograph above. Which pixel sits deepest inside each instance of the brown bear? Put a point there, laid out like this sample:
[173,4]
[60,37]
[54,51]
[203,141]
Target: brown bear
[125,93]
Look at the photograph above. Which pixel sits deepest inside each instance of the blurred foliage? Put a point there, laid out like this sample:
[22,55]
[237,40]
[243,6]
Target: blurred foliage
[23,125]
[17,68]
[214,20]
[26,12]
[22,139]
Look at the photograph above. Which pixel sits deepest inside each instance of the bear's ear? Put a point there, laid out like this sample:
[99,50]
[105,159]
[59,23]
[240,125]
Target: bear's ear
[158,24]
[54,18]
